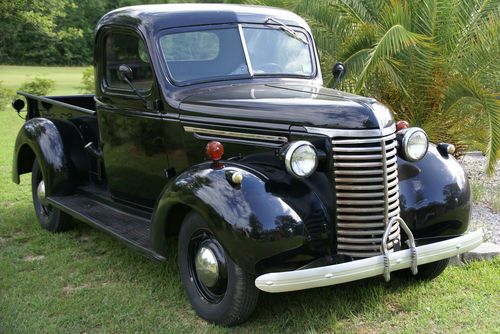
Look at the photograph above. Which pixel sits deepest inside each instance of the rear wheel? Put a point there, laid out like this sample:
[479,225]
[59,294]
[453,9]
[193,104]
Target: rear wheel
[217,288]
[49,217]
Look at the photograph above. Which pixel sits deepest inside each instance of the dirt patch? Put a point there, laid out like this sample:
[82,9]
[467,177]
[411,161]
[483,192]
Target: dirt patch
[33,258]
[85,238]
[3,241]
[68,289]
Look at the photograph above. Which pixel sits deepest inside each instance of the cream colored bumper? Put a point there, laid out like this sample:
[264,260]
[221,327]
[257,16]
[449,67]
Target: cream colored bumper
[369,267]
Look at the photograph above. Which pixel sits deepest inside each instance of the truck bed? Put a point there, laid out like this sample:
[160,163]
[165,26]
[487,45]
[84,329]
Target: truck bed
[60,106]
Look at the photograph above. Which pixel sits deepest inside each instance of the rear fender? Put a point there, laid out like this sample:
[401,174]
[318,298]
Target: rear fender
[58,148]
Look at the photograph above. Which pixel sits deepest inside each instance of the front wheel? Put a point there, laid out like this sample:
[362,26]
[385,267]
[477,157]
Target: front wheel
[426,272]
[217,288]
[49,217]
[429,271]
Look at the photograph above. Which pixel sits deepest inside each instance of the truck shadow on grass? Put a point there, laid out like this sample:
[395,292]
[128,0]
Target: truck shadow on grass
[315,309]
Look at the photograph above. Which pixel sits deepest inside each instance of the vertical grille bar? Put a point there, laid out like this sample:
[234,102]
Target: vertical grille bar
[367,193]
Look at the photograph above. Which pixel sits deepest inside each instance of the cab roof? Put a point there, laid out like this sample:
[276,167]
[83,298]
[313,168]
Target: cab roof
[151,18]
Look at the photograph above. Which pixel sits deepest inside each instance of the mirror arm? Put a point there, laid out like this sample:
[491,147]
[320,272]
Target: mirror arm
[336,82]
[338,73]
[146,102]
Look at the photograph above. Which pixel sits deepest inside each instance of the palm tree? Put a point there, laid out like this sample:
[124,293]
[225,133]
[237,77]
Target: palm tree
[435,63]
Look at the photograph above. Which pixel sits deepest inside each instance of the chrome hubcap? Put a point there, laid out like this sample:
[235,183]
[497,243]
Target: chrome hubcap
[40,192]
[207,267]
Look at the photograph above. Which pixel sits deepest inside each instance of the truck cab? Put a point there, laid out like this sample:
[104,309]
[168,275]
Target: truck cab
[210,124]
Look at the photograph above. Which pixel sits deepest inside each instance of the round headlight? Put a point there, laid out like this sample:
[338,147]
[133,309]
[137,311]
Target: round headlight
[415,144]
[301,159]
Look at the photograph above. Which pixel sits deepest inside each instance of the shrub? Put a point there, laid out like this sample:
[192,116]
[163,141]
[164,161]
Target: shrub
[38,86]
[88,86]
[6,96]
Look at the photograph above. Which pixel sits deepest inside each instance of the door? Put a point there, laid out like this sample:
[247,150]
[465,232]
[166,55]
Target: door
[131,130]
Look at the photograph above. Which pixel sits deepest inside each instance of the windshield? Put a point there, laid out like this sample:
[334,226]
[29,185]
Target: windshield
[236,52]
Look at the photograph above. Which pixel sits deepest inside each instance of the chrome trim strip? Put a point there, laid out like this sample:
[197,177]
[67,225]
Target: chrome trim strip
[363,141]
[244,135]
[245,50]
[352,133]
[386,182]
[369,267]
[238,141]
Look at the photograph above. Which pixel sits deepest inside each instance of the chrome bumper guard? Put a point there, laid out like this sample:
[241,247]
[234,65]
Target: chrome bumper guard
[369,267]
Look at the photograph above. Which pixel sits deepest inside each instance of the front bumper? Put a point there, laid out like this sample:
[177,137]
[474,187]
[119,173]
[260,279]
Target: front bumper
[369,267]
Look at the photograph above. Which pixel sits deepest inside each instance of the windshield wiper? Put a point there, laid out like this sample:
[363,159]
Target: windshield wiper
[288,30]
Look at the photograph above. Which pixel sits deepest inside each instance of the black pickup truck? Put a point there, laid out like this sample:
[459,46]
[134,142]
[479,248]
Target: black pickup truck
[210,124]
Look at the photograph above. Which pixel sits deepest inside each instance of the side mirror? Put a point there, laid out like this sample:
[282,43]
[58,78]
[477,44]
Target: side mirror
[18,105]
[125,73]
[338,72]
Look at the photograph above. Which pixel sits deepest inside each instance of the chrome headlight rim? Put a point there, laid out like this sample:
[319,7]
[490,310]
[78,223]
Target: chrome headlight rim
[405,143]
[291,149]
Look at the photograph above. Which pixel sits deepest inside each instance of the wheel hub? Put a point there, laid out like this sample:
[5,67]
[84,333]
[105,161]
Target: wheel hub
[207,267]
[40,192]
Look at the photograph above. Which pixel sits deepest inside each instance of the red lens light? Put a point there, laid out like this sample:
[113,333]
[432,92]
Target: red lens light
[400,125]
[214,150]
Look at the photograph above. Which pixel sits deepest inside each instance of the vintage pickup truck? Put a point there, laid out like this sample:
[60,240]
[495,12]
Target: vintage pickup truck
[210,124]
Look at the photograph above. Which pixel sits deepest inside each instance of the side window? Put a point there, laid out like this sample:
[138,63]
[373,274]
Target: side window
[126,48]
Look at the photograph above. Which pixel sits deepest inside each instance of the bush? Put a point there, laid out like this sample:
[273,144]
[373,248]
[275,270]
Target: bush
[88,85]
[38,86]
[6,97]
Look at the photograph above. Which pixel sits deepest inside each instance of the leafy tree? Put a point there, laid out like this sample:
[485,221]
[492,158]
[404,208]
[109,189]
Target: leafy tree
[434,62]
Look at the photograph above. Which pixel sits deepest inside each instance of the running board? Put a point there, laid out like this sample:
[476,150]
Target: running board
[132,230]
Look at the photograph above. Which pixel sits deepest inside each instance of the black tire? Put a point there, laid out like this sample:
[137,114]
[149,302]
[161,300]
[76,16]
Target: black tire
[236,297]
[429,271]
[49,217]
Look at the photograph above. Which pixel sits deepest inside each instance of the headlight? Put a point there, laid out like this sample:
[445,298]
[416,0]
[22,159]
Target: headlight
[414,144]
[301,159]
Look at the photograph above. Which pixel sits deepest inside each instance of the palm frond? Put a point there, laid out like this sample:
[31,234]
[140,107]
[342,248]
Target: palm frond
[462,93]
[393,41]
[356,10]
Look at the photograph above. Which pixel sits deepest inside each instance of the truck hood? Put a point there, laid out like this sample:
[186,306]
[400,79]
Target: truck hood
[285,105]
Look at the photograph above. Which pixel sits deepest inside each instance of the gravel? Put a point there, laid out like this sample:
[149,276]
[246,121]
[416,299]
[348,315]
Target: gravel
[483,214]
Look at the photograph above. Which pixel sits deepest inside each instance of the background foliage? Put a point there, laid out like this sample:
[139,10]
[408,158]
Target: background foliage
[38,86]
[435,63]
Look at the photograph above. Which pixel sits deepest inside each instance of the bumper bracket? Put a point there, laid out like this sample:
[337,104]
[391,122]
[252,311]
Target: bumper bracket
[410,242]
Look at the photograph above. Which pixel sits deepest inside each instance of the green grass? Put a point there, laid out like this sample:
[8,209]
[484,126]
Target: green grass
[68,79]
[85,281]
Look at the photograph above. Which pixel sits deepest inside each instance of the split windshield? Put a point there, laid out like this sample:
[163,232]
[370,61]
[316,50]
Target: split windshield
[236,52]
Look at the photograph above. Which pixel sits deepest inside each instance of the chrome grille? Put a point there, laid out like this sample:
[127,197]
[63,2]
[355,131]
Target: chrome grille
[367,193]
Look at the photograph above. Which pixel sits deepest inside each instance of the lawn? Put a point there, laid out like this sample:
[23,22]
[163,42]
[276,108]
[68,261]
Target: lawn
[68,79]
[85,281]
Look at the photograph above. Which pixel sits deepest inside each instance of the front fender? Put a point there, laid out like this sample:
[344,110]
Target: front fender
[253,223]
[435,195]
[52,144]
